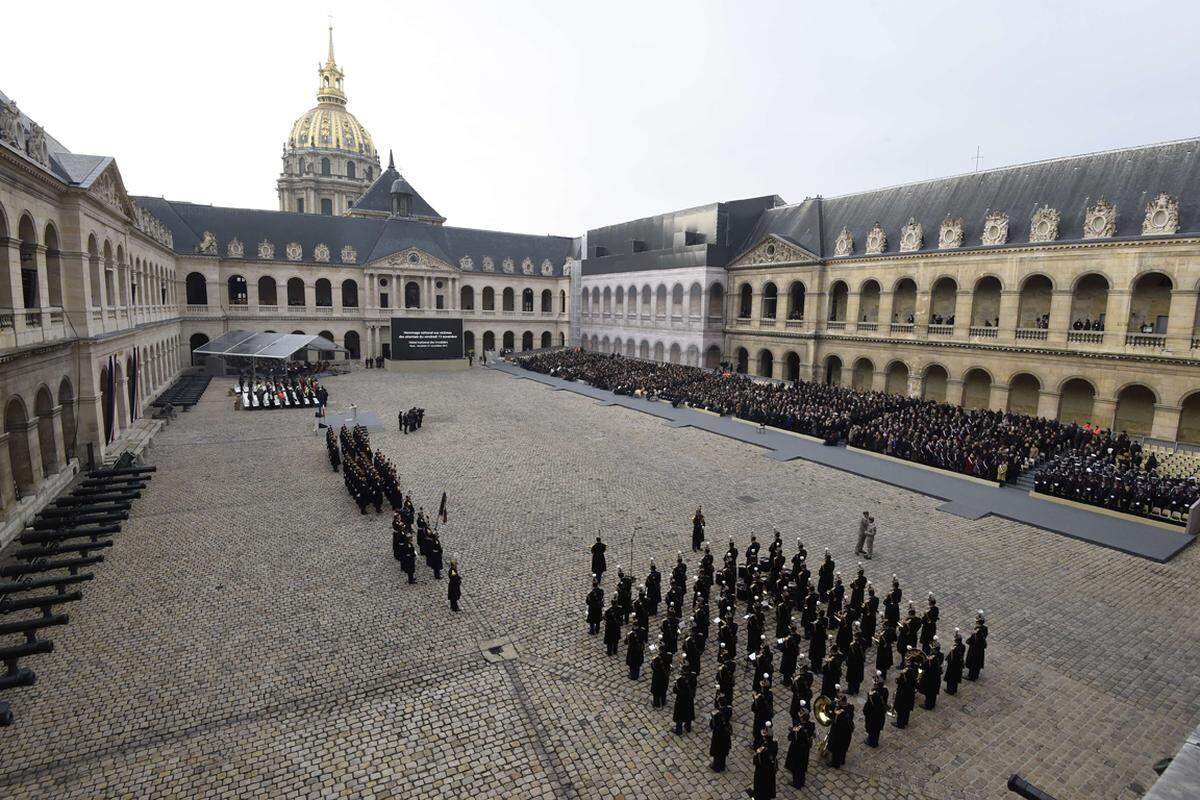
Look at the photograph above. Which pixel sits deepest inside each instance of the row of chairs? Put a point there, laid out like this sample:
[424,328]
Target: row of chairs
[1174,463]
[184,392]
[63,540]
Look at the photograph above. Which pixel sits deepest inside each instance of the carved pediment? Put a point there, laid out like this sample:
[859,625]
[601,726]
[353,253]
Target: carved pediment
[110,190]
[1100,221]
[995,228]
[415,258]
[912,236]
[1162,216]
[773,250]
[951,233]
[1043,226]
[876,240]
[845,243]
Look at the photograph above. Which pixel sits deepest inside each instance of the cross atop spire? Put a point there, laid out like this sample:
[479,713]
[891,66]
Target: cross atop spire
[330,59]
[330,90]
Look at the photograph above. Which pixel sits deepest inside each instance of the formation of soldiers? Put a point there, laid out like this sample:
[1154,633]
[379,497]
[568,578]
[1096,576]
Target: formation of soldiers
[411,420]
[408,524]
[824,634]
[370,477]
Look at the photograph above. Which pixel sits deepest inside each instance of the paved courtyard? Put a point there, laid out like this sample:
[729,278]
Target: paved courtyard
[250,634]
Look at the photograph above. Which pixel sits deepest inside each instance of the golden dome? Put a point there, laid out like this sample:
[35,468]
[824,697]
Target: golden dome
[330,126]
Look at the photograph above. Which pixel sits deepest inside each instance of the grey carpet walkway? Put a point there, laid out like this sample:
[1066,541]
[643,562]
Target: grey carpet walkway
[964,498]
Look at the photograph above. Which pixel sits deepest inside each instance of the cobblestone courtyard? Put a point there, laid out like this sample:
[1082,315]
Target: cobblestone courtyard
[250,634]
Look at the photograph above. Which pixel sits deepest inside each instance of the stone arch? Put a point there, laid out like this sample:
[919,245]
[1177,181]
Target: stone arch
[54,271]
[712,357]
[1024,392]
[507,299]
[864,374]
[791,366]
[658,352]
[323,293]
[195,288]
[267,291]
[349,293]
[660,302]
[585,301]
[695,301]
[630,347]
[868,301]
[28,248]
[547,302]
[412,295]
[16,421]
[745,301]
[833,370]
[985,302]
[644,349]
[677,300]
[1189,419]
[977,388]
[66,401]
[508,340]
[741,360]
[904,301]
[547,340]
[295,293]
[692,356]
[1150,302]
[489,341]
[351,342]
[1033,305]
[716,301]
[527,299]
[770,300]
[197,340]
[43,409]
[675,355]
[526,341]
[943,300]
[489,298]
[839,297]
[766,363]
[897,379]
[236,290]
[95,276]
[1135,410]
[934,381]
[796,297]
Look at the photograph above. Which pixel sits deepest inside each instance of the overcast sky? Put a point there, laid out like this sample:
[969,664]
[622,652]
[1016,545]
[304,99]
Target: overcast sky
[554,117]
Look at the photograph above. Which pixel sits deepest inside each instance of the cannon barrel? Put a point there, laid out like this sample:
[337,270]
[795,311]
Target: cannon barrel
[31,626]
[30,553]
[82,516]
[15,587]
[121,498]
[1024,788]
[9,655]
[44,536]
[44,602]
[72,564]
[115,480]
[104,473]
[97,491]
[83,526]
[13,680]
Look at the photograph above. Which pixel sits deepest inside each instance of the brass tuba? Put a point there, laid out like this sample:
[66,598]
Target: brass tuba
[823,711]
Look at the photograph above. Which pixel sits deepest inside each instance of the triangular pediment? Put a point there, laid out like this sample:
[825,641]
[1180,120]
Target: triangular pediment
[773,249]
[108,188]
[413,258]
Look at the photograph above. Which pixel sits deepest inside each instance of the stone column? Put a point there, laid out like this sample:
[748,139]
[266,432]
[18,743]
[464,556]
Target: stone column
[43,277]
[1116,322]
[954,391]
[878,381]
[921,313]
[252,298]
[962,313]
[1103,410]
[1166,420]
[1010,303]
[1181,321]
[998,400]
[1048,404]
[853,303]
[886,303]
[29,431]
[1060,317]
[914,385]
[60,440]
[16,292]
[8,495]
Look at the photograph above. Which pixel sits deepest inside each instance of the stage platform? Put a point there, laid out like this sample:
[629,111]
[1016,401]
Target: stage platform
[427,365]
[965,497]
[348,417]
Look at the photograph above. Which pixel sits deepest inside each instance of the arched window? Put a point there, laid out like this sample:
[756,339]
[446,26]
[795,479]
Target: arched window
[547,340]
[266,291]
[527,340]
[489,341]
[508,339]
[770,299]
[350,342]
[562,301]
[370,172]
[350,293]
[527,300]
[324,293]
[197,340]
[745,302]
[197,289]
[412,295]
[327,355]
[237,290]
[350,173]
[508,299]
[295,292]
[466,298]
[324,166]
[489,303]
[468,341]
[547,302]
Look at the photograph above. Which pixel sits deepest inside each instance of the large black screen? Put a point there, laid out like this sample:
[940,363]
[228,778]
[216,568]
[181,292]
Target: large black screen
[423,339]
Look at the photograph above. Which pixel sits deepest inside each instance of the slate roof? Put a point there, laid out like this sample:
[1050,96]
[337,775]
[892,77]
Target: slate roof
[71,168]
[372,238]
[1128,178]
[378,196]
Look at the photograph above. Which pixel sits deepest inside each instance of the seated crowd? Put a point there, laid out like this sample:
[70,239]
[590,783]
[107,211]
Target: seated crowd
[1077,461]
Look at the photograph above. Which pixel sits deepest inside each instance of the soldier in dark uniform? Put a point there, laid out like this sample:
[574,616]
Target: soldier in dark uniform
[783,617]
[653,589]
[454,586]
[840,731]
[810,612]
[397,535]
[752,552]
[763,706]
[726,676]
[825,577]
[599,565]
[691,650]
[408,558]
[858,588]
[624,594]
[831,673]
[720,722]
[875,710]
[791,651]
[800,739]
[595,607]
[906,697]
[895,595]
[954,663]
[801,691]
[701,621]
[660,676]
[727,636]
[766,763]
[870,613]
[434,559]
[670,630]
[685,695]
[697,529]
[754,631]
[641,613]
[634,651]
[856,661]
[818,642]
[931,676]
[976,645]
[929,622]
[883,650]
[764,660]
[612,628]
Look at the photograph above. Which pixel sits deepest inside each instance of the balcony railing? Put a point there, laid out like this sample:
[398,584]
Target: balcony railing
[795,323]
[901,327]
[1032,334]
[835,325]
[941,330]
[868,326]
[984,332]
[1151,340]
[7,320]
[1085,337]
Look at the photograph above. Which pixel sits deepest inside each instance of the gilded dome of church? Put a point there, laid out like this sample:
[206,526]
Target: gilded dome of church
[329,126]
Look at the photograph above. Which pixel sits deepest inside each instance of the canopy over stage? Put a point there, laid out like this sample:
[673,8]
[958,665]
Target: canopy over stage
[278,346]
